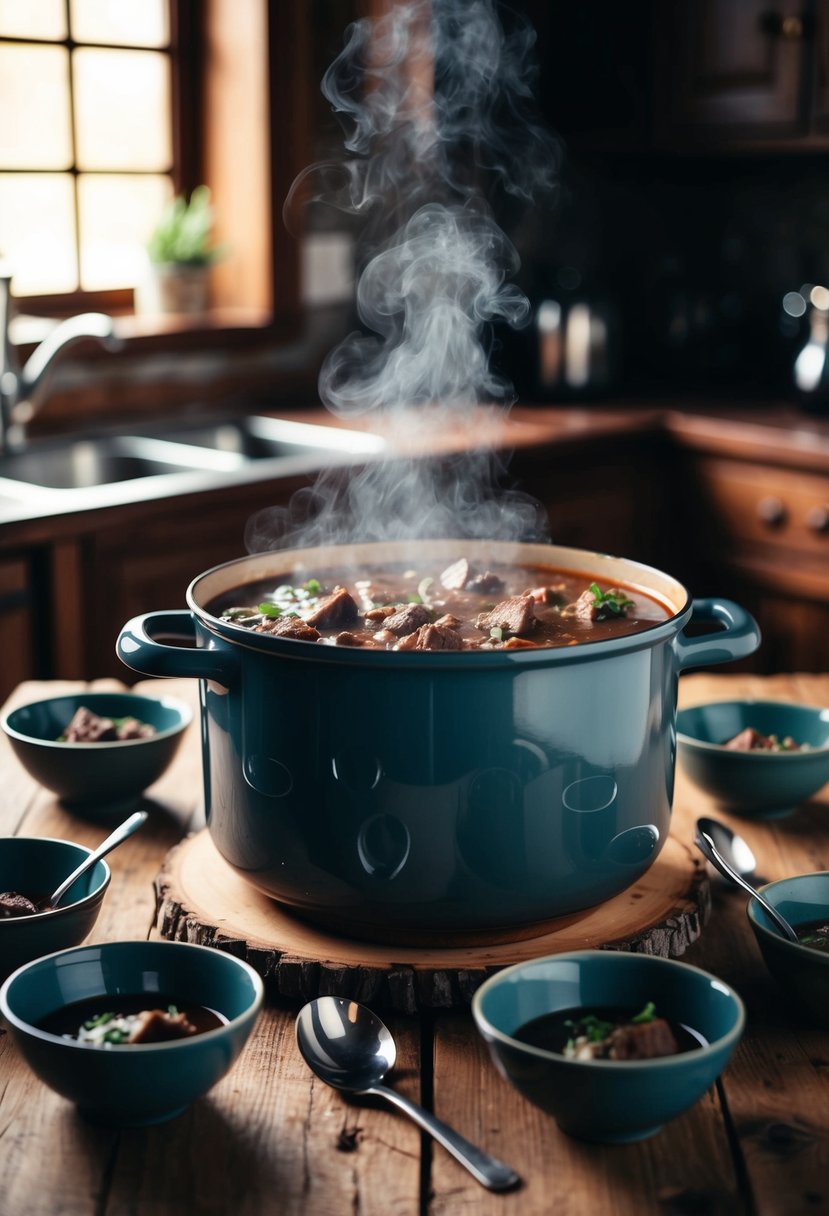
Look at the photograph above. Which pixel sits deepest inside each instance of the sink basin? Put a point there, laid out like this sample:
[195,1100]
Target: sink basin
[262,438]
[95,462]
[92,469]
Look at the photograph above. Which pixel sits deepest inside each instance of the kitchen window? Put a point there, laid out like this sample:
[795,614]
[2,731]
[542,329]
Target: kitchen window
[93,105]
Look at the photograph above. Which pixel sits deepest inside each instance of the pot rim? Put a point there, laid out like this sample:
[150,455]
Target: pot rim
[635,575]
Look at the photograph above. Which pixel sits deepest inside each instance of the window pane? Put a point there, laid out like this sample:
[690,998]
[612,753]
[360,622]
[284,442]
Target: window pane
[34,19]
[37,231]
[35,128]
[122,110]
[131,22]
[117,215]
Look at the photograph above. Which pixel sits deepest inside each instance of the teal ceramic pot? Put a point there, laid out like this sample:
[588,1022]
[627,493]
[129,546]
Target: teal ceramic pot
[384,791]
[757,783]
[100,779]
[132,1085]
[35,866]
[611,1102]
[801,971]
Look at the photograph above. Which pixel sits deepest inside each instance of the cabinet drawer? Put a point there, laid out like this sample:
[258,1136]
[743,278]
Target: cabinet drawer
[759,504]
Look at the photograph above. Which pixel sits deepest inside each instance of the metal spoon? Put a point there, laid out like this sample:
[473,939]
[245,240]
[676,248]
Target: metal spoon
[717,843]
[130,825]
[352,1050]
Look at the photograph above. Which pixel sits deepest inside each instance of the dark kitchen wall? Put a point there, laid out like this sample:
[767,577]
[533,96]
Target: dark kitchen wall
[689,236]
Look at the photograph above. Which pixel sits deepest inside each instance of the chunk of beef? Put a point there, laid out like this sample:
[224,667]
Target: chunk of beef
[156,1026]
[750,740]
[461,576]
[433,637]
[379,614]
[515,615]
[449,619]
[454,577]
[346,638]
[87,727]
[336,609]
[131,728]
[486,583]
[586,608]
[289,627]
[407,619]
[642,1041]
[546,596]
[12,903]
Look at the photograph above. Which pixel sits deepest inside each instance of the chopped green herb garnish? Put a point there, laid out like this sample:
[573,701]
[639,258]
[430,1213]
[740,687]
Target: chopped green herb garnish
[100,1020]
[314,586]
[646,1015]
[610,603]
[414,598]
[116,1036]
[272,610]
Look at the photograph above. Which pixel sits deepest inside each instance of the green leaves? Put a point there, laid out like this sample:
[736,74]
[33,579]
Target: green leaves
[183,234]
[646,1015]
[611,603]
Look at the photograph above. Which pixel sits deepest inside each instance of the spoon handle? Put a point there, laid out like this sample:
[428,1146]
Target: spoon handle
[489,1171]
[706,846]
[123,830]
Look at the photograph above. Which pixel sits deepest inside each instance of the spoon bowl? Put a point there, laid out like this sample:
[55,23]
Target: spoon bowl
[726,852]
[351,1049]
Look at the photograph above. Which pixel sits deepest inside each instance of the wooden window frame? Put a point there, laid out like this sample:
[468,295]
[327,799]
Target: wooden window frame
[232,66]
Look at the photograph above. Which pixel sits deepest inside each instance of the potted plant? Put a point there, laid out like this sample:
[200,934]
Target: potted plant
[181,252]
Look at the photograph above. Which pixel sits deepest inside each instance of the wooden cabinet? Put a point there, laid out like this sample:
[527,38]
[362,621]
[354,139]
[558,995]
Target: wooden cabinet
[143,560]
[607,496]
[760,534]
[732,71]
[18,616]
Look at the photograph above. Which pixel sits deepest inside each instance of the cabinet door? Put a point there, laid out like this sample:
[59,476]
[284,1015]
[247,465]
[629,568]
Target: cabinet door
[16,626]
[730,69]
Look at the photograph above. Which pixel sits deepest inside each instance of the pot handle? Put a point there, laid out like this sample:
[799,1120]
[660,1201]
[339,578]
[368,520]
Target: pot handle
[739,638]
[138,648]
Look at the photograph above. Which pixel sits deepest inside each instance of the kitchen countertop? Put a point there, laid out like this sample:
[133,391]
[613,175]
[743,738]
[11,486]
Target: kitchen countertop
[270,1139]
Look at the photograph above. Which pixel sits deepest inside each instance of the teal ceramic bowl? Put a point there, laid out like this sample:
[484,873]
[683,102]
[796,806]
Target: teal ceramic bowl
[35,866]
[98,777]
[802,971]
[132,1085]
[754,783]
[611,1102]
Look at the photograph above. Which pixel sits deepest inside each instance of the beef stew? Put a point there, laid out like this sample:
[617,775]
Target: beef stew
[456,607]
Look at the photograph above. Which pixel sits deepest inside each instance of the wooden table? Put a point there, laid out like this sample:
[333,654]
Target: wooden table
[271,1139]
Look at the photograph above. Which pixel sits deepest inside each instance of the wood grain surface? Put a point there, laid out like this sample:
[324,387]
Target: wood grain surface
[201,899]
[270,1140]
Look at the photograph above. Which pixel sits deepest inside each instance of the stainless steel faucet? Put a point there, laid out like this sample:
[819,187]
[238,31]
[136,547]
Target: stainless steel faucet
[23,389]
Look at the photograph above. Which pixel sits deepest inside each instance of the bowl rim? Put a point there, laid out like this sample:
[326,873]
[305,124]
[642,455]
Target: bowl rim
[180,707]
[797,949]
[729,1039]
[6,922]
[704,745]
[206,1036]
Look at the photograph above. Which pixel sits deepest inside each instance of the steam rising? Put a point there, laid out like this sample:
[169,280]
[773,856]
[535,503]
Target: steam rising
[436,102]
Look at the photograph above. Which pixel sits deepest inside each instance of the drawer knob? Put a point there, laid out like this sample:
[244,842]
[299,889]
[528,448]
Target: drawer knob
[817,520]
[771,511]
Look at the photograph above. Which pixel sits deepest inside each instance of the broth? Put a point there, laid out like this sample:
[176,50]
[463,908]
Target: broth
[79,1019]
[815,934]
[439,607]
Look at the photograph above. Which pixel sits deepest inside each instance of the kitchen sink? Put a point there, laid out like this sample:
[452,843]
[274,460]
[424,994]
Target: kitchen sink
[85,463]
[262,438]
[172,458]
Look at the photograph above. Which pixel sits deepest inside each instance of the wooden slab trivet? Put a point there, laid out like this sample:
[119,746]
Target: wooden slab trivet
[200,899]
